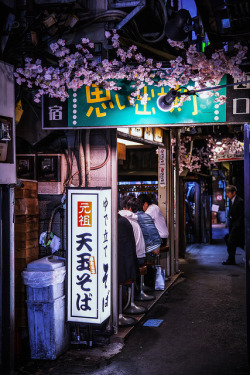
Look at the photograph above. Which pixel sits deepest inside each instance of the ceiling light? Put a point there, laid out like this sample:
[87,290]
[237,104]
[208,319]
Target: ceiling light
[219,141]
[128,142]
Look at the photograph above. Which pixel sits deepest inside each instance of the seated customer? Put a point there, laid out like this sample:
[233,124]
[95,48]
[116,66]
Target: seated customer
[154,211]
[139,239]
[127,260]
[150,233]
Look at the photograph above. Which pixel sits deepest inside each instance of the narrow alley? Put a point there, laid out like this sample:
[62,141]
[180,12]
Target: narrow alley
[203,330]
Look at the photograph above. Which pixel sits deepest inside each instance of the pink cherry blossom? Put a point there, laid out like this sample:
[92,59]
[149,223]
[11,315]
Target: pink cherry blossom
[78,68]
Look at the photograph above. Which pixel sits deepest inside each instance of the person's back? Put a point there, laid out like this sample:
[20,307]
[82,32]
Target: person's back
[150,233]
[154,211]
[139,239]
[127,259]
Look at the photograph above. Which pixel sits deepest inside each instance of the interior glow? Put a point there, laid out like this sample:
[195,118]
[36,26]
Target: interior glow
[128,143]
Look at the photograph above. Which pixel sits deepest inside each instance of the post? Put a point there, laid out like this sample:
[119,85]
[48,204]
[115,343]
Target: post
[177,202]
[7,279]
[171,205]
[247,226]
[114,239]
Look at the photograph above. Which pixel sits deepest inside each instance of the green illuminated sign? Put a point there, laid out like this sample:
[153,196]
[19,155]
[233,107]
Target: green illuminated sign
[95,107]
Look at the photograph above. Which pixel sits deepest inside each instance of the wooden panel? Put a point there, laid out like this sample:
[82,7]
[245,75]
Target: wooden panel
[21,263]
[121,151]
[26,236]
[27,185]
[26,223]
[21,315]
[25,193]
[27,252]
[28,243]
[26,206]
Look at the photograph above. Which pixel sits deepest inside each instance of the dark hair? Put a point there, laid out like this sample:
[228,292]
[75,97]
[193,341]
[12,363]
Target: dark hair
[133,204]
[124,202]
[139,205]
[144,198]
[230,188]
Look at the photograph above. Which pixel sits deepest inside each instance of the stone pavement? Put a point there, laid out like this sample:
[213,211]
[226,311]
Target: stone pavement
[203,330]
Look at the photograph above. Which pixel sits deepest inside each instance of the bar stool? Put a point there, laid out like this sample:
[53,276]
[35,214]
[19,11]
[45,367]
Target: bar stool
[143,296]
[124,320]
[133,308]
[164,249]
[146,288]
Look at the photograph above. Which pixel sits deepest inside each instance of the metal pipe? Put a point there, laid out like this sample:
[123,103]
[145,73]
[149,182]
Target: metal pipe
[247,227]
[8,280]
[177,202]
[81,161]
[171,205]
[114,238]
[1,274]
[87,157]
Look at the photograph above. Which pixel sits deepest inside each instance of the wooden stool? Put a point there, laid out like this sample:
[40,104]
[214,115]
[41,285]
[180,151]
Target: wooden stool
[143,296]
[124,320]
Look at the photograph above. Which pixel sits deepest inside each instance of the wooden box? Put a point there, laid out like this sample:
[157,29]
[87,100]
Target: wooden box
[26,223]
[26,206]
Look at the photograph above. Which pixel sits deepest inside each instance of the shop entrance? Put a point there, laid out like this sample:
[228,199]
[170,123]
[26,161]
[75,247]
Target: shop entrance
[191,206]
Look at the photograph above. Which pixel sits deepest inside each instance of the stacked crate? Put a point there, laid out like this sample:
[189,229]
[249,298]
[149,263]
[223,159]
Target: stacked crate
[26,242]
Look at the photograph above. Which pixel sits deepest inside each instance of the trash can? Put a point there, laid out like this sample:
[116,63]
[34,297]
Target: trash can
[48,333]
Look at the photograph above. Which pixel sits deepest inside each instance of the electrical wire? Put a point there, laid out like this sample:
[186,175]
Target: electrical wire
[162,35]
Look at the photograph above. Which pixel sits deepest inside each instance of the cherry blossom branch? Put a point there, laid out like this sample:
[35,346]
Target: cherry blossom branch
[205,156]
[78,68]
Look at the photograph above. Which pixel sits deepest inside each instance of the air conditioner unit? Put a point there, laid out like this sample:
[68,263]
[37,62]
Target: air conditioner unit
[51,173]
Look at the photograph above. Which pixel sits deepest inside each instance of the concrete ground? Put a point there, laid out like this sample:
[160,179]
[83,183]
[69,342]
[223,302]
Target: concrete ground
[203,330]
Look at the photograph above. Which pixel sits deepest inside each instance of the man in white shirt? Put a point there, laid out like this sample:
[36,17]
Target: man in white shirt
[139,240]
[154,211]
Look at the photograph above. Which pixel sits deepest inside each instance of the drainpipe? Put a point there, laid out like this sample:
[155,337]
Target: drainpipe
[177,202]
[81,161]
[171,199]
[7,279]
[87,157]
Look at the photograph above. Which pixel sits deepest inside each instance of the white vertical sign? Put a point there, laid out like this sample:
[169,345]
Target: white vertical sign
[162,166]
[89,254]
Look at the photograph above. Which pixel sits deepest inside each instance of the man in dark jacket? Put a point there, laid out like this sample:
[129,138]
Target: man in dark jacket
[236,224]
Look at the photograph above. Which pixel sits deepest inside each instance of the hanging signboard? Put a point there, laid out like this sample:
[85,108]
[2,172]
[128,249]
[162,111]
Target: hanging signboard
[228,157]
[238,101]
[162,166]
[95,107]
[89,254]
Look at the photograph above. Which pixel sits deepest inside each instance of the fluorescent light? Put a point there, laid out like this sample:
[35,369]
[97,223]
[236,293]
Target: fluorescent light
[128,143]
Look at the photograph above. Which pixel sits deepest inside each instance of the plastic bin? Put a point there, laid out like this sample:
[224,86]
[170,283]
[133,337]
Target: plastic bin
[48,334]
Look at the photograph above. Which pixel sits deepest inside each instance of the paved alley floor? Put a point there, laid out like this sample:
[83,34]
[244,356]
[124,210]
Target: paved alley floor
[203,330]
